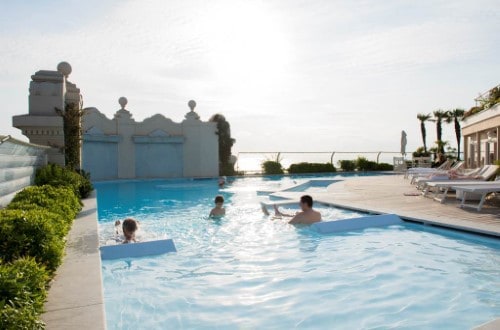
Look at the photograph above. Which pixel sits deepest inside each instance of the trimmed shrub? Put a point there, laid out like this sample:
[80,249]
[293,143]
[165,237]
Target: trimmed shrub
[385,167]
[61,224]
[347,165]
[311,168]
[60,200]
[23,282]
[58,176]
[24,316]
[272,167]
[31,233]
[363,164]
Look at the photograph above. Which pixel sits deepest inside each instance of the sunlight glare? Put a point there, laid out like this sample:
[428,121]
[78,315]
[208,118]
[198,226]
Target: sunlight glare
[247,47]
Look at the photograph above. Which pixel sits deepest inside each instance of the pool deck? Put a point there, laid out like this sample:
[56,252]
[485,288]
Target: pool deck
[76,300]
[385,194]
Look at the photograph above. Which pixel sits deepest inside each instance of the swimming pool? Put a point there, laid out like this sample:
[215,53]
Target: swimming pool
[247,271]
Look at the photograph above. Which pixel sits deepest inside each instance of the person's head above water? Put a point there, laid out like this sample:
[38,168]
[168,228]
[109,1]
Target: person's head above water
[129,227]
[219,199]
[306,202]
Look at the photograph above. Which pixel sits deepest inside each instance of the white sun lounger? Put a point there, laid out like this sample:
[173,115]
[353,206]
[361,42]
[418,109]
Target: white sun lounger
[427,170]
[483,190]
[443,187]
[480,174]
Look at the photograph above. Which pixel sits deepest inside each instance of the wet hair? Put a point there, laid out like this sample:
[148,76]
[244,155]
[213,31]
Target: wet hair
[219,199]
[129,225]
[307,200]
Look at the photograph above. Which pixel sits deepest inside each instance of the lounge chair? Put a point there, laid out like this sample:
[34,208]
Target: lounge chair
[435,171]
[423,170]
[483,190]
[485,173]
[441,188]
[451,175]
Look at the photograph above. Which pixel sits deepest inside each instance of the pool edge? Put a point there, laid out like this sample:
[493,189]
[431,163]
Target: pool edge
[76,299]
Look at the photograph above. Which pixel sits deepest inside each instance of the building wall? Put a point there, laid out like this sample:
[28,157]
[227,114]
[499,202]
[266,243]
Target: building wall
[118,148]
[481,137]
[121,148]
[18,164]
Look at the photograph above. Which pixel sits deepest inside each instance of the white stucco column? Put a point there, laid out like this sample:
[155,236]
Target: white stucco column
[125,127]
[497,144]
[201,146]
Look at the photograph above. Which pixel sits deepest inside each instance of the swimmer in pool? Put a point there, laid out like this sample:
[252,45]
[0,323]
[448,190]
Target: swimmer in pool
[218,210]
[307,216]
[129,228]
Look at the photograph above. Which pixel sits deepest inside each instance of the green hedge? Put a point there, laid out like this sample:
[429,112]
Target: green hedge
[61,200]
[363,164]
[272,167]
[347,165]
[32,230]
[311,168]
[22,294]
[58,176]
[31,233]
[385,167]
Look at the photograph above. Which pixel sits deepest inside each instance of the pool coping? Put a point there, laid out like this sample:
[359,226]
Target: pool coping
[76,299]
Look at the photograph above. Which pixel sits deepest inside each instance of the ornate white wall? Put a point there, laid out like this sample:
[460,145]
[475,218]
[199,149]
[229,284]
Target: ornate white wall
[121,148]
[118,148]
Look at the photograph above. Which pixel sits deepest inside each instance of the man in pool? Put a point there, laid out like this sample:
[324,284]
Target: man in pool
[307,216]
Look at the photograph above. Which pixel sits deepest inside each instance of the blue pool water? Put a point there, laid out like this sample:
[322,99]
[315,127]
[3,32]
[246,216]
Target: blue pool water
[248,271]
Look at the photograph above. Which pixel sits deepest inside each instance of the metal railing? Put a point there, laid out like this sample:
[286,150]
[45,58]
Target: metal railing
[250,161]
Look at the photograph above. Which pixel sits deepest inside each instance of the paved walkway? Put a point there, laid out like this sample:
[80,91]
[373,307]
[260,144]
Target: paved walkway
[385,194]
[75,298]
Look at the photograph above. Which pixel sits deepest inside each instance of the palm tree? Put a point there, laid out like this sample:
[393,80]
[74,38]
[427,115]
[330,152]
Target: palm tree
[439,116]
[456,115]
[423,118]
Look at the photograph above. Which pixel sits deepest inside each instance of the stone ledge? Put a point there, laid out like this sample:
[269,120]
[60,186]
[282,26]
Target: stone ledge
[76,299]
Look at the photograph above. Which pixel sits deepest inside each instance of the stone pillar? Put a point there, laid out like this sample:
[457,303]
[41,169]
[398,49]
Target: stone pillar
[465,148]
[497,144]
[125,127]
[478,150]
[201,147]
[49,90]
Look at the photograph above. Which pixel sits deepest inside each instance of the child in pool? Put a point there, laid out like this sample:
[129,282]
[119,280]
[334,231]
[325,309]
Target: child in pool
[218,210]
[129,228]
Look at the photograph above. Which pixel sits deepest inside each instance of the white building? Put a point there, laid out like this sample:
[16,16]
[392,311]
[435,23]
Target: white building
[119,148]
[481,133]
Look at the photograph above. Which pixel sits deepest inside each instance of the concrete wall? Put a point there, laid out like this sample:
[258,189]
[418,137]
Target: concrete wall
[121,148]
[18,163]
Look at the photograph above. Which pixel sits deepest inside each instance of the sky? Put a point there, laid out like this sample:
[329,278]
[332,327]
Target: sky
[288,75]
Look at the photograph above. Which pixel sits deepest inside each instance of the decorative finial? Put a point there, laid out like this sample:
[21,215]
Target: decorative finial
[123,102]
[64,68]
[192,105]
